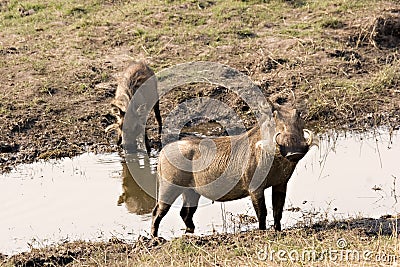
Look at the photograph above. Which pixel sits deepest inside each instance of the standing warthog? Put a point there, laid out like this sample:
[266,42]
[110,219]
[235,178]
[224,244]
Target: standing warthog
[236,157]
[132,78]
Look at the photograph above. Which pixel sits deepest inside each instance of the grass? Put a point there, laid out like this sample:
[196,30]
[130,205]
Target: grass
[293,247]
[333,23]
[387,78]
[344,98]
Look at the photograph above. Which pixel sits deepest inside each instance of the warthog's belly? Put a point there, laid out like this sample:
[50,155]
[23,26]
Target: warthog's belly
[232,185]
[237,192]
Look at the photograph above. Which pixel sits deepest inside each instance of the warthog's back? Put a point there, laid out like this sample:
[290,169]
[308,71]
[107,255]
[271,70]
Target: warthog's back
[128,83]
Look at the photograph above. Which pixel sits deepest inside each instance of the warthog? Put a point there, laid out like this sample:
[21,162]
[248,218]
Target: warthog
[128,83]
[242,153]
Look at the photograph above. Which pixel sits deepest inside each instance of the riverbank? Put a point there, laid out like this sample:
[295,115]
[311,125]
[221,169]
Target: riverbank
[59,61]
[367,242]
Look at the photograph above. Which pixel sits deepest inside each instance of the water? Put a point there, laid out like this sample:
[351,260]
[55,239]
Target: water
[93,197]
[349,176]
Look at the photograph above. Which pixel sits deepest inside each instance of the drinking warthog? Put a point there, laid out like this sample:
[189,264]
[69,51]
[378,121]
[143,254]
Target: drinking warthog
[132,78]
[236,158]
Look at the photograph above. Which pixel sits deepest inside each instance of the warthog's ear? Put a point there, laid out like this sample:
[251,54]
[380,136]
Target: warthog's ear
[282,98]
[274,106]
[278,100]
[312,139]
[266,106]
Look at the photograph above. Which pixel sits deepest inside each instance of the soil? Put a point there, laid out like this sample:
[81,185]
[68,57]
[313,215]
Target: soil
[116,251]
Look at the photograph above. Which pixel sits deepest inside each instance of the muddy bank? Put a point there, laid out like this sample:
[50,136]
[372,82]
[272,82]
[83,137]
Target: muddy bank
[227,249]
[341,62]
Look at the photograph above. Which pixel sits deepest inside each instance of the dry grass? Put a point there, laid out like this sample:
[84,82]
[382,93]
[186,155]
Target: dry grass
[336,244]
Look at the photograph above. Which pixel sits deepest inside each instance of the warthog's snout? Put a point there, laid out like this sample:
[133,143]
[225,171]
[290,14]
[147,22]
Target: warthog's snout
[293,148]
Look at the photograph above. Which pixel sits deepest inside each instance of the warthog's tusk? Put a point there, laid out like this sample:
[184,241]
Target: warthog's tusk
[259,144]
[114,127]
[310,136]
[274,138]
[111,127]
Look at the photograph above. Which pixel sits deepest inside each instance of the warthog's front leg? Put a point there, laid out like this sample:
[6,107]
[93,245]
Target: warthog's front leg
[258,201]
[278,201]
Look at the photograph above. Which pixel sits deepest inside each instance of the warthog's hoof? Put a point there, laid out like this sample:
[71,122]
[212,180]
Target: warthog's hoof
[156,241]
[189,230]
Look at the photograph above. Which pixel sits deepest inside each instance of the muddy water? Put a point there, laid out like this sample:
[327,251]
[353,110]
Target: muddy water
[348,176]
[93,197]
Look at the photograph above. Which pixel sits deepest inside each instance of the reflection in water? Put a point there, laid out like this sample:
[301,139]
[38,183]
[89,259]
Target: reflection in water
[68,199]
[135,198]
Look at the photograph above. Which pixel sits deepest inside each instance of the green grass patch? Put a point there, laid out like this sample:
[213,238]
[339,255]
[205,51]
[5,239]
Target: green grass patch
[386,79]
[332,23]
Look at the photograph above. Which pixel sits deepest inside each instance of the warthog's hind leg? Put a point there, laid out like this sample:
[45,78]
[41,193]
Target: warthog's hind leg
[278,201]
[159,121]
[167,195]
[258,200]
[190,203]
[159,211]
[147,143]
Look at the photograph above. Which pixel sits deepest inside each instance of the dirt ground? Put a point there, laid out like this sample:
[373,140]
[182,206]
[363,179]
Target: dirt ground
[59,63]
[241,249]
